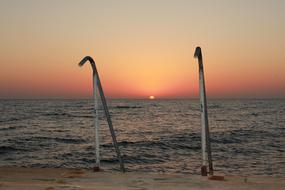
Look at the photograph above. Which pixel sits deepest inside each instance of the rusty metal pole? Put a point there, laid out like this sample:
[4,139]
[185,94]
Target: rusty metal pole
[97,85]
[206,143]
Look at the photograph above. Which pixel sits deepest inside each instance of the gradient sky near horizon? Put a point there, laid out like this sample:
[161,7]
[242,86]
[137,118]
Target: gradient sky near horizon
[142,48]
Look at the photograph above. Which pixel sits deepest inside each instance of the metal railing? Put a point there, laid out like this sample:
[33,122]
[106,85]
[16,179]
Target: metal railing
[206,143]
[97,86]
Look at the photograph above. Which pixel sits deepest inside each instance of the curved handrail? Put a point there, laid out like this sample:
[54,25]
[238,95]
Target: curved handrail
[198,53]
[206,143]
[104,102]
[91,60]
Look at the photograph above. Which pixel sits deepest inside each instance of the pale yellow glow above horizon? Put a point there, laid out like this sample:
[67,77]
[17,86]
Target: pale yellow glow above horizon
[142,47]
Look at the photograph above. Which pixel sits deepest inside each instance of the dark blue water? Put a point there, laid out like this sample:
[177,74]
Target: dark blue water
[248,136]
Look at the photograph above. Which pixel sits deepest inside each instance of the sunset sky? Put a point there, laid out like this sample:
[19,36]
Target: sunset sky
[142,48]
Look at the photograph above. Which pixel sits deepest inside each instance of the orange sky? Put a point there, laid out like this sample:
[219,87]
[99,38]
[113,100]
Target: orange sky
[142,48]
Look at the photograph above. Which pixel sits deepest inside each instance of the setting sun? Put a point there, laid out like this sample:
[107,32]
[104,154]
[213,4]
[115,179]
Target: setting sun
[151,97]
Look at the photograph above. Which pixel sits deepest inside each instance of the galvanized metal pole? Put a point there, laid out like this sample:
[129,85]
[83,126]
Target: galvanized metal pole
[96,123]
[206,143]
[108,116]
[97,84]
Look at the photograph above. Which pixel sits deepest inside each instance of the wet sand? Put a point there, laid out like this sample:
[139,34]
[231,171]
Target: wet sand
[12,178]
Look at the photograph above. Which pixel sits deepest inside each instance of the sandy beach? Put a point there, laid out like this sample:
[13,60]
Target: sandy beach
[12,178]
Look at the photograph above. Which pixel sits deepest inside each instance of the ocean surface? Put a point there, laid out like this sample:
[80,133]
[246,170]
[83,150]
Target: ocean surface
[160,136]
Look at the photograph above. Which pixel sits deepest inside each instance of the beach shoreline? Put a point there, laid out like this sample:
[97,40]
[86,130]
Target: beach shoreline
[14,178]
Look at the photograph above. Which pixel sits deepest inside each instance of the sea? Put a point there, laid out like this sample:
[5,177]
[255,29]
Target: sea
[155,136]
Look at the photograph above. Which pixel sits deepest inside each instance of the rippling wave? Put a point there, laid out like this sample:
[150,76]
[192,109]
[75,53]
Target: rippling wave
[154,135]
